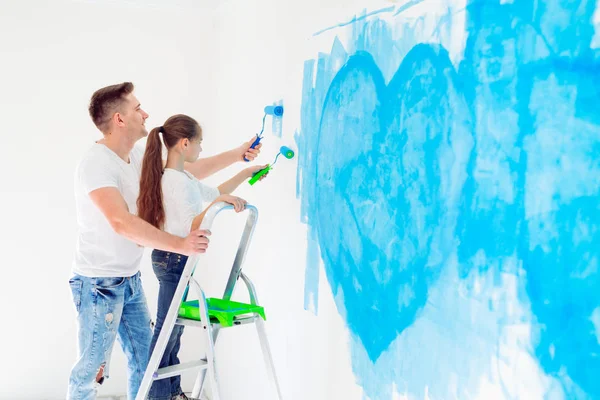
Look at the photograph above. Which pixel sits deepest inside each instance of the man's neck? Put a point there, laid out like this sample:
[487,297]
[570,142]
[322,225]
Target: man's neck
[121,146]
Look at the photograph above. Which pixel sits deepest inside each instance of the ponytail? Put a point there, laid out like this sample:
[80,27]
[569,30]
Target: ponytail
[150,200]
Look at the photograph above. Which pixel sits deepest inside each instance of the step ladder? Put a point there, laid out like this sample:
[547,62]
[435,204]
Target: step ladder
[210,315]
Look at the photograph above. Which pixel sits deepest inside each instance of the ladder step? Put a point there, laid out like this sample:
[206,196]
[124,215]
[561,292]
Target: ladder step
[250,319]
[224,311]
[175,370]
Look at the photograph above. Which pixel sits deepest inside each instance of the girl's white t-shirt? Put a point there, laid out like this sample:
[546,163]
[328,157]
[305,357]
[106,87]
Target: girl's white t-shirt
[183,198]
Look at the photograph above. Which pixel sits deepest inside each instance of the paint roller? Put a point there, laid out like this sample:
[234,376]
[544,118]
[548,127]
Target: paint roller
[284,151]
[276,112]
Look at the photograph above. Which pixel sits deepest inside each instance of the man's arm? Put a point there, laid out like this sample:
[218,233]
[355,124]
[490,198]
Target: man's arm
[113,206]
[205,167]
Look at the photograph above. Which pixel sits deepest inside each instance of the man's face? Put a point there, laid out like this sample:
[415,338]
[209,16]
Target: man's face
[134,117]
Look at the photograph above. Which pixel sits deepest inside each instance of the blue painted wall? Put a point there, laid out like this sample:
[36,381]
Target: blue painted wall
[428,185]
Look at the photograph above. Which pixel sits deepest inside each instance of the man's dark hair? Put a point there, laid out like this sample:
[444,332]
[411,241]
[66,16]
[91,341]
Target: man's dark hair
[105,103]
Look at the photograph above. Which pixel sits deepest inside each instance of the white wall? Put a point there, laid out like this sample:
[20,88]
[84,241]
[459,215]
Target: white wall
[259,53]
[53,56]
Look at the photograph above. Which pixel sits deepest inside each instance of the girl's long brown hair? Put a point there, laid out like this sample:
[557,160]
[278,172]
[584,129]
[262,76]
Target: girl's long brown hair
[150,200]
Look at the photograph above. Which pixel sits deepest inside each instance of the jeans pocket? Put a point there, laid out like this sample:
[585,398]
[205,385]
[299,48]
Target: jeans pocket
[156,264]
[160,260]
[179,265]
[109,283]
[76,286]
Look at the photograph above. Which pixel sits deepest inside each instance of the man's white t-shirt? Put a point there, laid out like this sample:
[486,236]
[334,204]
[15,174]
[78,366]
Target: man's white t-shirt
[100,251]
[183,195]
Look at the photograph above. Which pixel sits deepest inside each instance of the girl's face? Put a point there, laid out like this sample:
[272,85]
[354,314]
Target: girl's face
[193,148]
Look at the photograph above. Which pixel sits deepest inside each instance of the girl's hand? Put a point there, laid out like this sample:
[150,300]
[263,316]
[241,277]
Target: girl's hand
[238,203]
[250,171]
[245,151]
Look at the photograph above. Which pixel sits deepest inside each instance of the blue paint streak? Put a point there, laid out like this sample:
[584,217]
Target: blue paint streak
[376,39]
[311,276]
[354,19]
[377,202]
[309,115]
[537,74]
[277,121]
[407,6]
[407,164]
[561,233]
[305,185]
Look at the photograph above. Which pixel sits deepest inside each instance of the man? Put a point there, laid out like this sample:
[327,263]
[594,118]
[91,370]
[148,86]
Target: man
[106,286]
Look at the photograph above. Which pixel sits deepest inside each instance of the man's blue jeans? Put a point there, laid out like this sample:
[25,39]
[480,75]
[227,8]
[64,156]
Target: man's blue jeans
[109,308]
[168,268]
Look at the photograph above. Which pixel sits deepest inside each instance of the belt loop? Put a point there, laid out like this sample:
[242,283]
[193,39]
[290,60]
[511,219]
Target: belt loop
[133,283]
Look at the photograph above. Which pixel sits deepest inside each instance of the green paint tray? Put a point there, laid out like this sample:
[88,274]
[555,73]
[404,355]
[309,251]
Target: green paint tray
[223,311]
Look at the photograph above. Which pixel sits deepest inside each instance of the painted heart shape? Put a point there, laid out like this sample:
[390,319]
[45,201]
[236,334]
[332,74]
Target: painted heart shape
[390,164]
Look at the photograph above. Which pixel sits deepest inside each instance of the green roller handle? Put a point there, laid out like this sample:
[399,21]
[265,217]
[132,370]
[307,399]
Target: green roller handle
[260,173]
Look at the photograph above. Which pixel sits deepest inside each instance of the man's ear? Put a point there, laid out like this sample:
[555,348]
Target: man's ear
[118,119]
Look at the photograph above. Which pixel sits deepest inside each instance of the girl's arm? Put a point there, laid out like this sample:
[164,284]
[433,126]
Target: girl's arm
[238,204]
[229,186]
[205,167]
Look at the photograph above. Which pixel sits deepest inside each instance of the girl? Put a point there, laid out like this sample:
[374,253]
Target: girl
[171,199]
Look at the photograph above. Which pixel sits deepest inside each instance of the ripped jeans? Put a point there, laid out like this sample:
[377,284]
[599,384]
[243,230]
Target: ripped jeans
[107,307]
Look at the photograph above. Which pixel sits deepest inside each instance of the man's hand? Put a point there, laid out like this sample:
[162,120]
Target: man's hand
[196,242]
[246,152]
